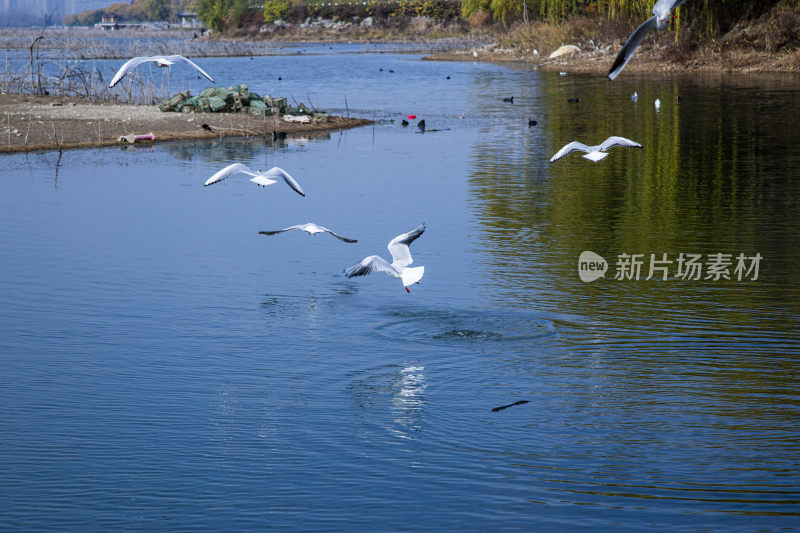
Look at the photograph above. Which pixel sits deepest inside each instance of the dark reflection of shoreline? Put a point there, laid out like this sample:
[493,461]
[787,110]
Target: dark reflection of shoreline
[715,175]
[228,149]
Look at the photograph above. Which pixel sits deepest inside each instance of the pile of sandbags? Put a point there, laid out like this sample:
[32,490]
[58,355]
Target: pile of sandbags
[237,99]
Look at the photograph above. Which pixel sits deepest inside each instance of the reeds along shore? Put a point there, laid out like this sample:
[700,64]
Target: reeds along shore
[59,63]
[53,62]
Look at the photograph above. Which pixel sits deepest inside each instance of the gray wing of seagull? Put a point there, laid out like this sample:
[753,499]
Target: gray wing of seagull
[127,66]
[368,265]
[398,247]
[630,46]
[191,63]
[618,141]
[275,232]
[571,147]
[277,172]
[229,171]
[345,239]
[659,20]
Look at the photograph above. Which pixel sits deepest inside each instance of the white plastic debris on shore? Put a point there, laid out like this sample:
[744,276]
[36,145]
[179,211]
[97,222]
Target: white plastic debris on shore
[565,49]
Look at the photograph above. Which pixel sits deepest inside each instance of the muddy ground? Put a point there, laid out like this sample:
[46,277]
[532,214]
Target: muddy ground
[29,123]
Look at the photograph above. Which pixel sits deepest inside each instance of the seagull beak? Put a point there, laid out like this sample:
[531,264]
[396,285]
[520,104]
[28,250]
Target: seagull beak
[408,291]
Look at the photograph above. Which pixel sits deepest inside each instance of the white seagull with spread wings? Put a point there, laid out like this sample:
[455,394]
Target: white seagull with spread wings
[309,228]
[262,179]
[659,21]
[161,61]
[401,258]
[597,152]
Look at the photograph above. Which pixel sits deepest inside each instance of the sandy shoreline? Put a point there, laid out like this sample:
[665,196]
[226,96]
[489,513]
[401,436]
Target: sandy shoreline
[31,123]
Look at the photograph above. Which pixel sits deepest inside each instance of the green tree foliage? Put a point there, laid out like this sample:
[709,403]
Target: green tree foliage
[708,16]
[276,9]
[501,10]
[85,18]
[157,9]
[221,14]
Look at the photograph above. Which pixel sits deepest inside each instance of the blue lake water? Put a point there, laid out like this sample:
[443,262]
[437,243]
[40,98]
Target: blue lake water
[167,368]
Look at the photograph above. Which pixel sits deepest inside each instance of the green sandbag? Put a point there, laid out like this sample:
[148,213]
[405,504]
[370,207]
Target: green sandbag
[216,104]
[170,103]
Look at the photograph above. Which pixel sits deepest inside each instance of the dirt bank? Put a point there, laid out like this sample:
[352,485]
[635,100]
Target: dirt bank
[655,58]
[30,123]
[770,43]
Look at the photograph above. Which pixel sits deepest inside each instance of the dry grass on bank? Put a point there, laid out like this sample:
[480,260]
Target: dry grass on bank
[770,43]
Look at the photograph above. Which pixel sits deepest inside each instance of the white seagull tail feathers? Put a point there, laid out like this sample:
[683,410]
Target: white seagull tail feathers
[595,156]
[412,275]
[401,258]
[161,61]
[659,21]
[259,178]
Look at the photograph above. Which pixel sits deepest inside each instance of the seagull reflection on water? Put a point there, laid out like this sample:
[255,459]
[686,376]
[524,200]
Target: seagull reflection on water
[409,400]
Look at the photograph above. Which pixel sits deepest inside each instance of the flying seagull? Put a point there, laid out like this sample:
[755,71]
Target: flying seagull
[262,179]
[309,228]
[595,153]
[401,258]
[659,20]
[161,61]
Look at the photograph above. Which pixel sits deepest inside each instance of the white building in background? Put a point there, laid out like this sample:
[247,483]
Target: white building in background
[34,12]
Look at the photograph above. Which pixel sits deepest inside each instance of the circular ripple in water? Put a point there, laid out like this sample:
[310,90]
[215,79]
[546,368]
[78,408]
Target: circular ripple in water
[435,327]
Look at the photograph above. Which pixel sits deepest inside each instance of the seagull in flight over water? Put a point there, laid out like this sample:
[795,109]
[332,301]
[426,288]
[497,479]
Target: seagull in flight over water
[659,21]
[262,179]
[161,61]
[309,228]
[597,152]
[401,258]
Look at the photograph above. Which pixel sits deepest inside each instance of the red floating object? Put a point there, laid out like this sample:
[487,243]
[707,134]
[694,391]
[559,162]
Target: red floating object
[412,116]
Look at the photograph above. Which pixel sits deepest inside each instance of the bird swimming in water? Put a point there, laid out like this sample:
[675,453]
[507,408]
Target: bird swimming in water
[404,123]
[574,100]
[657,104]
[531,123]
[635,97]
[510,99]
[421,125]
[659,21]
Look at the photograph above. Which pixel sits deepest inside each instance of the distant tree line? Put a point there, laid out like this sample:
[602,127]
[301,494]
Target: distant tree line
[709,16]
[137,10]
